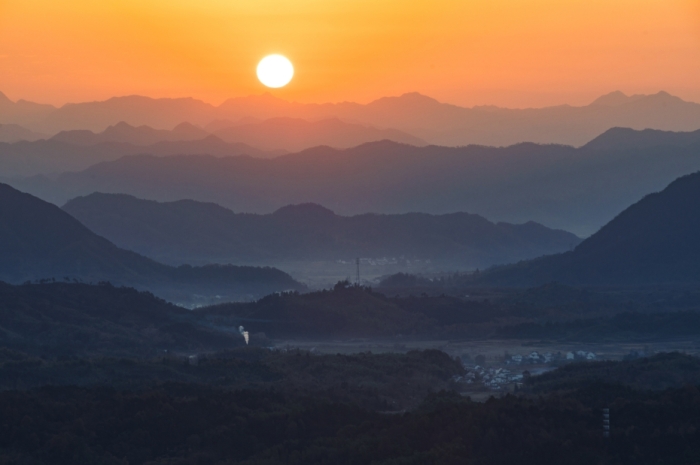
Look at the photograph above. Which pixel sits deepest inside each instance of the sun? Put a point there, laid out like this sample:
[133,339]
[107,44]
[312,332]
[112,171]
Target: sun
[275,71]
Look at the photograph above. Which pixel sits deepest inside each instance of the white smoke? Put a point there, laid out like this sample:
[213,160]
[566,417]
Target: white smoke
[244,333]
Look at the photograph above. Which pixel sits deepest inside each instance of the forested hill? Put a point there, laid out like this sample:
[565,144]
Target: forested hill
[189,231]
[655,241]
[38,241]
[67,319]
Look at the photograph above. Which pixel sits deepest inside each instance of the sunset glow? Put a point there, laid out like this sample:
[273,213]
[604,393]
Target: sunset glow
[504,52]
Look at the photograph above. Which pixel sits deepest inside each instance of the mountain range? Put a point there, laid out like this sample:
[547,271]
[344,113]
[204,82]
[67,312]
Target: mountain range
[40,241]
[78,149]
[562,187]
[654,241]
[415,114]
[55,156]
[194,232]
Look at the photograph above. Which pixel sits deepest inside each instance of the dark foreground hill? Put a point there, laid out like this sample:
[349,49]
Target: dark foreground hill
[195,232]
[190,423]
[655,241]
[39,241]
[577,190]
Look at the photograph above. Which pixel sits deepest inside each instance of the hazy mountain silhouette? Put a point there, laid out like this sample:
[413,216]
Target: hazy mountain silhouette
[415,114]
[227,123]
[125,133]
[38,240]
[655,241]
[296,134]
[626,139]
[195,232]
[53,156]
[23,112]
[136,110]
[577,190]
[12,133]
[277,134]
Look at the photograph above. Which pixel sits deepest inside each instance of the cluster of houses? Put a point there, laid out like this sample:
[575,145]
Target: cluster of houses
[493,378]
[496,378]
[535,357]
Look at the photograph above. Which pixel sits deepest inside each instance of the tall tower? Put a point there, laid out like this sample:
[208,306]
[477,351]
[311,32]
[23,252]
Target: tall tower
[357,277]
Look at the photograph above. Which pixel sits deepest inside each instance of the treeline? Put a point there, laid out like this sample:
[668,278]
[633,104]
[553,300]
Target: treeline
[551,312]
[190,424]
[629,326]
[657,372]
[388,382]
[74,319]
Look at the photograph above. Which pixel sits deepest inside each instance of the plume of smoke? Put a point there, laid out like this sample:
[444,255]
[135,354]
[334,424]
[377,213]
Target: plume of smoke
[242,330]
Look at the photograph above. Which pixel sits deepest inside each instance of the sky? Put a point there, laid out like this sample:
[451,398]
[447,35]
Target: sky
[513,53]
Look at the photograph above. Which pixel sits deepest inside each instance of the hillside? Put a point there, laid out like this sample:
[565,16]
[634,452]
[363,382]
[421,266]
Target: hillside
[61,319]
[38,240]
[652,242]
[195,232]
[578,190]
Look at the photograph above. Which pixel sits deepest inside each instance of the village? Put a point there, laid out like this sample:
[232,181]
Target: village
[511,370]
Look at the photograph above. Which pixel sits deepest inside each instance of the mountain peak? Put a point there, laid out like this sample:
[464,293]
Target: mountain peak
[410,98]
[305,210]
[613,99]
[617,98]
[4,100]
[121,125]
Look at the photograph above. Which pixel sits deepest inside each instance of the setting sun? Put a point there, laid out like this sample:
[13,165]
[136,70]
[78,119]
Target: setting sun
[275,71]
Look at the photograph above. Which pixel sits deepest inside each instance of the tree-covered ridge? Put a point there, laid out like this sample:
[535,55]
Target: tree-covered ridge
[549,312]
[81,319]
[657,372]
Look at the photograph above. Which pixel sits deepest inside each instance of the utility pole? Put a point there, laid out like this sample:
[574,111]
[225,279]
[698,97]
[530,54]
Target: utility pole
[606,422]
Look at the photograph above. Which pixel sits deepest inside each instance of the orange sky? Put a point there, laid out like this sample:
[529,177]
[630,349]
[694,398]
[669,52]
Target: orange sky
[506,52]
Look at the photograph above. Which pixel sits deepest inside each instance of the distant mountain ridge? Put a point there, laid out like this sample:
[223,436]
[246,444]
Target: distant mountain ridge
[11,133]
[40,241]
[23,113]
[78,150]
[195,232]
[576,190]
[125,133]
[654,241]
[627,139]
[294,134]
[412,113]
